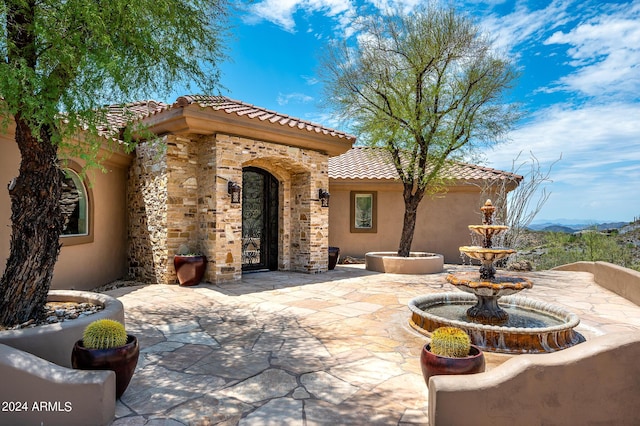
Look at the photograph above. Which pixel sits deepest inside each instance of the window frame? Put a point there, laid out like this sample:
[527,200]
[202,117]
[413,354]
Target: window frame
[76,239]
[374,212]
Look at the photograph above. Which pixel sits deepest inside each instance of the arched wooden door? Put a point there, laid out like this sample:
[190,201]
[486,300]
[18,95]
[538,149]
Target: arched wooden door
[259,220]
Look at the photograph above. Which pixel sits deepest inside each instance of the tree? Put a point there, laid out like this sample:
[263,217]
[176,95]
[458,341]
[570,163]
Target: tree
[517,208]
[427,87]
[61,62]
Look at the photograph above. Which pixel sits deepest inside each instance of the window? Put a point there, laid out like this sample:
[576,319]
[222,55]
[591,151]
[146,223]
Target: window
[363,213]
[75,209]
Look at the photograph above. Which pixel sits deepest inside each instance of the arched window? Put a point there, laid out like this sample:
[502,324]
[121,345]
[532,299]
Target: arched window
[74,205]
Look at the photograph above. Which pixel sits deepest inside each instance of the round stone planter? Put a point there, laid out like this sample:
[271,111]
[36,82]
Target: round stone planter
[416,263]
[433,365]
[54,342]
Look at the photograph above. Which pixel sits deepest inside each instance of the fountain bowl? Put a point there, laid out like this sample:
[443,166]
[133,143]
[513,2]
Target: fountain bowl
[503,285]
[489,230]
[486,254]
[558,334]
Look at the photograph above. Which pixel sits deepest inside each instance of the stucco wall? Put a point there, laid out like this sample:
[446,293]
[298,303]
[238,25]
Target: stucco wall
[620,280]
[593,383]
[441,226]
[83,266]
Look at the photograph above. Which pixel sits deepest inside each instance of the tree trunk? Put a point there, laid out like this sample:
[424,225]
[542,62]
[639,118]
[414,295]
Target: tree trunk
[411,202]
[36,224]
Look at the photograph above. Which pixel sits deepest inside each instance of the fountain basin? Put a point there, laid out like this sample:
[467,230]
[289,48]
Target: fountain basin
[488,230]
[504,285]
[416,263]
[486,254]
[533,327]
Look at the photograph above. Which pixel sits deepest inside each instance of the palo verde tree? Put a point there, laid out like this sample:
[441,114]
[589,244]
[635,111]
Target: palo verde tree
[61,62]
[428,87]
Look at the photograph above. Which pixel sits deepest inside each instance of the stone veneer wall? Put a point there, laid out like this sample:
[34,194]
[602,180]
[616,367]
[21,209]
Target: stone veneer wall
[179,196]
[147,202]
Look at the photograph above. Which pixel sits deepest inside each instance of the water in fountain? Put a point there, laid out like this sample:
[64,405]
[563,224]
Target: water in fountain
[520,325]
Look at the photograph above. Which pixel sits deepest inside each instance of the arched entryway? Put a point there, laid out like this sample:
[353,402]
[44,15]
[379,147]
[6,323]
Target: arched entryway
[259,220]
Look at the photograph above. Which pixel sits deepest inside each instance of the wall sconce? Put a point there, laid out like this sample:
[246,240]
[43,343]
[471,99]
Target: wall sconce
[235,191]
[324,195]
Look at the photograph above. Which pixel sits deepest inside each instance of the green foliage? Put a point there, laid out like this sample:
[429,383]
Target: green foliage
[427,87]
[104,334]
[76,56]
[62,61]
[451,342]
[592,246]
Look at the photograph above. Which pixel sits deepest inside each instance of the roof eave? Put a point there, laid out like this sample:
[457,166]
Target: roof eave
[193,119]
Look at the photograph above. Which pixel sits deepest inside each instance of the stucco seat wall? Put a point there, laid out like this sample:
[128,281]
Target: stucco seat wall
[596,382]
[622,281]
[54,395]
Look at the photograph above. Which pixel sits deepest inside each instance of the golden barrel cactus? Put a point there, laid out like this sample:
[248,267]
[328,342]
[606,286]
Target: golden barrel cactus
[451,342]
[104,334]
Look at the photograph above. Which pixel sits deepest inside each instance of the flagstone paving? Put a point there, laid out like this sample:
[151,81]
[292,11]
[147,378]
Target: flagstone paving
[283,348]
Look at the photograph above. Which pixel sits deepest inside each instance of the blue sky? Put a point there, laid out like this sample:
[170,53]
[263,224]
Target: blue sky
[580,85]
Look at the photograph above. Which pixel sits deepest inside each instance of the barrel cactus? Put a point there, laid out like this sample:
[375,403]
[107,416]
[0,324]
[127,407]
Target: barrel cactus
[104,334]
[450,342]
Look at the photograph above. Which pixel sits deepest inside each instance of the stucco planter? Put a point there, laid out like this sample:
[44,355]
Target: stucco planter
[54,342]
[416,263]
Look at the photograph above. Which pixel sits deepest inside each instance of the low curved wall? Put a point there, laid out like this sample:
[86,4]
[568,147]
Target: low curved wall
[595,382]
[54,342]
[35,391]
[417,263]
[622,281]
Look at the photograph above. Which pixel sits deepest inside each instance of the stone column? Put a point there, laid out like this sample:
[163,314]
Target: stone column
[224,220]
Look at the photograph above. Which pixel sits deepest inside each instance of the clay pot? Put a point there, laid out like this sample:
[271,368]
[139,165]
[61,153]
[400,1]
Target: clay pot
[334,256]
[189,269]
[122,360]
[433,365]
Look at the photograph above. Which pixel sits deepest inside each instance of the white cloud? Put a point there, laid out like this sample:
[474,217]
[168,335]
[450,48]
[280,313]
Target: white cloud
[524,25]
[603,134]
[600,167]
[284,99]
[281,12]
[606,54]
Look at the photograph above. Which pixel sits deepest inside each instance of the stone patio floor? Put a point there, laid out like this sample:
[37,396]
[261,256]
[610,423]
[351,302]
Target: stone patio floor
[284,348]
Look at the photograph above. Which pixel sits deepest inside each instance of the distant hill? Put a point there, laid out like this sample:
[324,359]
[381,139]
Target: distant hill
[571,228]
[558,228]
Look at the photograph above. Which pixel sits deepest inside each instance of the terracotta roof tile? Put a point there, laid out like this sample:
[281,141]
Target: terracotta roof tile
[230,106]
[375,163]
[119,115]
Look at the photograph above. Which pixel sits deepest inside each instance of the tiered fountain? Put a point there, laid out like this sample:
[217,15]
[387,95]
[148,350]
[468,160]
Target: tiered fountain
[516,324]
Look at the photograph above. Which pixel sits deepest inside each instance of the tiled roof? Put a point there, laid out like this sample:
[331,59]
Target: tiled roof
[241,109]
[375,163]
[119,115]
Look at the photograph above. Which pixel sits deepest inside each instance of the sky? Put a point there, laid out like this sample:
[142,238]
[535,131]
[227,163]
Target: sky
[579,86]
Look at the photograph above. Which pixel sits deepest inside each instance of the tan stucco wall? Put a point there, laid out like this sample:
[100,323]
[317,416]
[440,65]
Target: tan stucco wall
[622,281]
[441,226]
[593,383]
[71,397]
[89,265]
